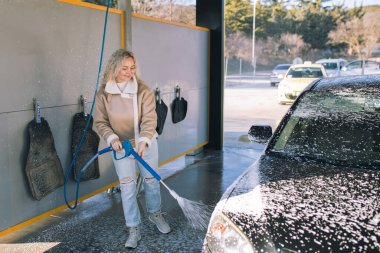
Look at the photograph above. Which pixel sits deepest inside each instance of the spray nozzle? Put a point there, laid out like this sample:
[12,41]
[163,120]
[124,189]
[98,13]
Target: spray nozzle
[127,146]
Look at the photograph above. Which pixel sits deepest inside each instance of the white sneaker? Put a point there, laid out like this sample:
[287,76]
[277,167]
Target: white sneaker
[134,237]
[160,222]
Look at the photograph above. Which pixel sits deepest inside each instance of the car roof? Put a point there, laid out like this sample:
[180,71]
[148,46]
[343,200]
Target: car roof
[315,65]
[365,60]
[353,83]
[330,60]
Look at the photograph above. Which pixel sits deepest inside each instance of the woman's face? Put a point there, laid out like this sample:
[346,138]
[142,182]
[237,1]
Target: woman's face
[127,70]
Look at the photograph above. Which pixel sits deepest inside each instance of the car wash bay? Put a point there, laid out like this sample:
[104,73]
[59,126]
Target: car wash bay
[59,86]
[97,225]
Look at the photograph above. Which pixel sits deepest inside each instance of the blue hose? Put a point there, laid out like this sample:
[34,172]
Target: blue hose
[105,150]
[68,171]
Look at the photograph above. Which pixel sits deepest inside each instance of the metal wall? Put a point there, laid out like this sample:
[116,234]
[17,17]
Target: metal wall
[175,56]
[50,50]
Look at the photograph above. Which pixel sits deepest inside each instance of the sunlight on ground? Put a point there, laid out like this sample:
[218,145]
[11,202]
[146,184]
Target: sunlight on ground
[36,247]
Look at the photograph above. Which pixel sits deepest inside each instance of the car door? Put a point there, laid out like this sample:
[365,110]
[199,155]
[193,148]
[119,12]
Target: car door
[354,68]
[371,67]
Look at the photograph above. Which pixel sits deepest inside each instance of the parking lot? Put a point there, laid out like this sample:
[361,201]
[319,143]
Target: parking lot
[249,100]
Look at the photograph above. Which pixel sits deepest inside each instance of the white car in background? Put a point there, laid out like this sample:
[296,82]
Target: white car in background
[296,79]
[356,68]
[333,66]
[278,73]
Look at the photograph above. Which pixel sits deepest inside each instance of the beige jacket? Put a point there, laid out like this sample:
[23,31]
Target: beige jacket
[114,112]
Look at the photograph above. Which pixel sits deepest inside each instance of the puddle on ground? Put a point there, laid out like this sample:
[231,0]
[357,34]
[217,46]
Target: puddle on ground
[244,138]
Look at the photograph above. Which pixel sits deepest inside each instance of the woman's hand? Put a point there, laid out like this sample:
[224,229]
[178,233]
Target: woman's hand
[116,145]
[141,148]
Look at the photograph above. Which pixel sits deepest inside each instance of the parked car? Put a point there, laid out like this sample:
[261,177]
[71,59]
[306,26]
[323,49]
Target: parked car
[296,79]
[332,66]
[278,73]
[355,68]
[316,186]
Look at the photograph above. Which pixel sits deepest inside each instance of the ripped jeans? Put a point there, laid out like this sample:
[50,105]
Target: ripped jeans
[126,170]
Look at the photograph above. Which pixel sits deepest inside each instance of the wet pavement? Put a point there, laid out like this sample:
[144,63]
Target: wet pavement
[250,101]
[97,225]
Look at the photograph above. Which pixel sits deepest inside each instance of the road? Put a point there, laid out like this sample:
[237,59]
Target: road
[250,101]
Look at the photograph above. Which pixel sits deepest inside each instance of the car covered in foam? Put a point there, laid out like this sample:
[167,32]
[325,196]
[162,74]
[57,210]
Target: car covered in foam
[316,186]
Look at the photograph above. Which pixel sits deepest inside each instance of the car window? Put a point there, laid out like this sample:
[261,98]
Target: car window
[330,65]
[281,67]
[370,64]
[307,72]
[354,65]
[342,127]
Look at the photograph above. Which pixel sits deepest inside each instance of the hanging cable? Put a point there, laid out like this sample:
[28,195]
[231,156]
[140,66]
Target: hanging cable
[69,169]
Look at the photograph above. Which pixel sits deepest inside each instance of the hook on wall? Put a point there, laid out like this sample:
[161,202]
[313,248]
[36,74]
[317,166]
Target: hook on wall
[158,95]
[177,91]
[83,101]
[37,110]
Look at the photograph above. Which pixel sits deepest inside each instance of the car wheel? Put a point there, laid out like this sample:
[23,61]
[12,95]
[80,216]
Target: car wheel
[272,84]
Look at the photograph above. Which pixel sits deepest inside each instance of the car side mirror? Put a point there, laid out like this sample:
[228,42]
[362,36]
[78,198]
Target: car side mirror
[260,133]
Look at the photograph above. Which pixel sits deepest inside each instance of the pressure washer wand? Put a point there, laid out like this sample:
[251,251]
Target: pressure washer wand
[196,213]
[130,151]
[153,172]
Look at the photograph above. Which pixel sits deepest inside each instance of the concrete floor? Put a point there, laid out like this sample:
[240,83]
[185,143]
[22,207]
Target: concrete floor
[97,225]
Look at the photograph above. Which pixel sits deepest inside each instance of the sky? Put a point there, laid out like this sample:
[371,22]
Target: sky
[351,3]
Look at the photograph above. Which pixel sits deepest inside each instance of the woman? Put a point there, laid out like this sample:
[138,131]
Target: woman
[125,109]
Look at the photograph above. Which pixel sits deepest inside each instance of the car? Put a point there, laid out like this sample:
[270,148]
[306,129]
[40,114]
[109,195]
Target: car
[296,79]
[278,73]
[356,68]
[316,186]
[332,66]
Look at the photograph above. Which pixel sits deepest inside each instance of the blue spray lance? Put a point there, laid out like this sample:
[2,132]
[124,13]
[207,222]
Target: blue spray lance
[128,149]
[196,213]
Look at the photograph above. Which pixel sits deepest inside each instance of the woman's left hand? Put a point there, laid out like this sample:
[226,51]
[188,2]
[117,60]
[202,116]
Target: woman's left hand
[141,148]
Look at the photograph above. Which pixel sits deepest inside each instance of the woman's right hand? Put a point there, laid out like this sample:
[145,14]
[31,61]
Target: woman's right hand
[116,145]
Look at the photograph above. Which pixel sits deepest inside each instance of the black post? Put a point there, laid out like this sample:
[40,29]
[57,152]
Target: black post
[210,14]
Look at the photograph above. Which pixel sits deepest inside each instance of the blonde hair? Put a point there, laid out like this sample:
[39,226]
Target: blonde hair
[114,65]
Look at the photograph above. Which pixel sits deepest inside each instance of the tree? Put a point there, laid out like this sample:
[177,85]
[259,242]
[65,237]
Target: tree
[238,16]
[362,37]
[292,44]
[314,20]
[238,45]
[143,6]
[315,29]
